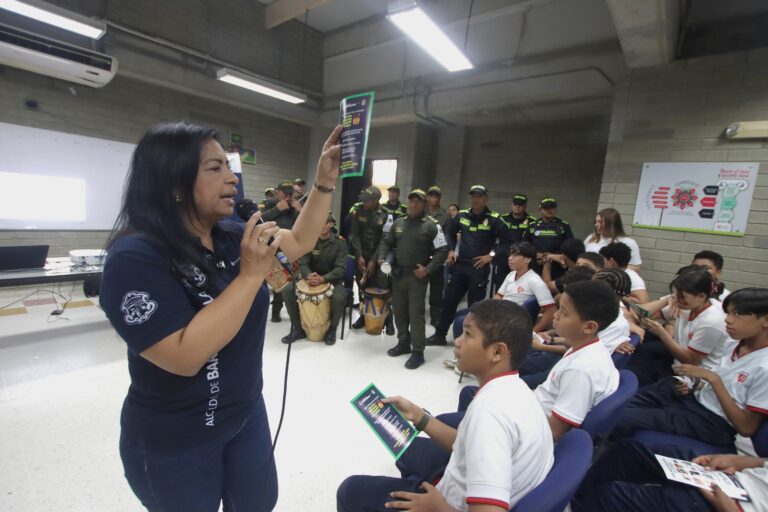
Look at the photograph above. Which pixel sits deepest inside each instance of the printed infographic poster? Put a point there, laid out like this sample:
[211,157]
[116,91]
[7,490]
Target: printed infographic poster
[355,118]
[392,429]
[702,197]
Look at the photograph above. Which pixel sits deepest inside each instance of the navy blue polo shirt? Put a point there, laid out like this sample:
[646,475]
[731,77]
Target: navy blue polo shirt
[145,302]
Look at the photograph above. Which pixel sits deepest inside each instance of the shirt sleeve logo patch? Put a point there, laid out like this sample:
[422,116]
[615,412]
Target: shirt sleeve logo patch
[137,307]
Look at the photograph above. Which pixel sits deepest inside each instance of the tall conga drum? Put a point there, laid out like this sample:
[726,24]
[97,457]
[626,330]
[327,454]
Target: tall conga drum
[314,308]
[374,309]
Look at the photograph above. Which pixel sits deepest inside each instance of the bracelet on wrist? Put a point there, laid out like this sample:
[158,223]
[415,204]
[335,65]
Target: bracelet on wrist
[323,188]
[422,423]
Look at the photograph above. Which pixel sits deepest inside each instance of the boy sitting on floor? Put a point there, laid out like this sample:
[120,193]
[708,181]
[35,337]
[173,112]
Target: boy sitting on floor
[501,450]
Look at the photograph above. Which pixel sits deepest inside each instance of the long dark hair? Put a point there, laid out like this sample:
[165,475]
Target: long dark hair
[694,279]
[159,192]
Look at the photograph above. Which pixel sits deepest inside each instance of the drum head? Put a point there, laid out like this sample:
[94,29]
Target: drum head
[304,287]
[376,292]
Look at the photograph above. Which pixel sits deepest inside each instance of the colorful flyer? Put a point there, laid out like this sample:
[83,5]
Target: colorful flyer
[690,473]
[394,431]
[355,118]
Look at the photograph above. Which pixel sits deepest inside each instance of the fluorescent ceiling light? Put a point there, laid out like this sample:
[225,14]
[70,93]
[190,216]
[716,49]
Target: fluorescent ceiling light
[56,16]
[415,23]
[747,130]
[260,86]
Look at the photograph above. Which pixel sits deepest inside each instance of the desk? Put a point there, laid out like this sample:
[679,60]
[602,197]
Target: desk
[56,270]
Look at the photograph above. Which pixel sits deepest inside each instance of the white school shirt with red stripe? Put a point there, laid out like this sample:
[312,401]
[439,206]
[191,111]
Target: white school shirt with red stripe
[635,281]
[579,381]
[519,288]
[702,333]
[503,448]
[745,378]
[616,333]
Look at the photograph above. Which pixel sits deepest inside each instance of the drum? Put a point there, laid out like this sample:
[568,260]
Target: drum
[278,277]
[374,309]
[314,308]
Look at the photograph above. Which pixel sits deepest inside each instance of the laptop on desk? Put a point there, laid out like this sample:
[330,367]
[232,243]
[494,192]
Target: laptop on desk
[22,257]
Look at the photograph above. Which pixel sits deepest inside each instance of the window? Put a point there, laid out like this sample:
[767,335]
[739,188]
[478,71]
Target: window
[384,176]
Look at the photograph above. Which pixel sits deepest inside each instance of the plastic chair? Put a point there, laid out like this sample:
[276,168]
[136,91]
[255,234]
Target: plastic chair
[349,285]
[620,360]
[601,420]
[650,437]
[573,455]
[531,306]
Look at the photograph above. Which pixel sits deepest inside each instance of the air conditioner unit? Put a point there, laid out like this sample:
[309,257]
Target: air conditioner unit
[39,54]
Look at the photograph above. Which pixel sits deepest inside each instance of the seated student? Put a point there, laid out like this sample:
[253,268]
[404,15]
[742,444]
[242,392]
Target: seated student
[699,328]
[575,274]
[548,347]
[629,478]
[713,405]
[609,229]
[566,260]
[592,260]
[713,262]
[502,449]
[522,283]
[617,255]
[585,375]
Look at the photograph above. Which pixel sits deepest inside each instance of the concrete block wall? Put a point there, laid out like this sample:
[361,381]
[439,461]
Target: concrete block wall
[678,113]
[563,159]
[123,111]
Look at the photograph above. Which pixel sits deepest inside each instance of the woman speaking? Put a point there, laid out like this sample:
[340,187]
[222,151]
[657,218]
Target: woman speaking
[185,290]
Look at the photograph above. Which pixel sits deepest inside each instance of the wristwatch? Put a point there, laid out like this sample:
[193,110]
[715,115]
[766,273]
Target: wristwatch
[422,423]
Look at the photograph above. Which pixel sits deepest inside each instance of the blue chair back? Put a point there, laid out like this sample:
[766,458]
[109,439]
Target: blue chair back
[604,416]
[760,439]
[532,307]
[620,360]
[349,273]
[573,455]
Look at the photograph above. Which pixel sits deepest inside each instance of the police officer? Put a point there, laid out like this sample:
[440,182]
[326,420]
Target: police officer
[284,210]
[393,206]
[517,220]
[269,193]
[547,233]
[298,190]
[480,230]
[365,232]
[327,263]
[415,239]
[436,279]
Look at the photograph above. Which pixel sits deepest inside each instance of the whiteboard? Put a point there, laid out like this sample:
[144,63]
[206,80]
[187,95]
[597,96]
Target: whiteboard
[701,197]
[101,164]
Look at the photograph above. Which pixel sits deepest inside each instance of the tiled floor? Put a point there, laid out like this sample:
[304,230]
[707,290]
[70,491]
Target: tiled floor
[61,390]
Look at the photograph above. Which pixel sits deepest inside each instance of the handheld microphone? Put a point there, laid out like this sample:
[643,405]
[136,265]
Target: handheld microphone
[245,209]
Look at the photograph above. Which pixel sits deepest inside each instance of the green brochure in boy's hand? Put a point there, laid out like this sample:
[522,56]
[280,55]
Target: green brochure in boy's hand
[385,420]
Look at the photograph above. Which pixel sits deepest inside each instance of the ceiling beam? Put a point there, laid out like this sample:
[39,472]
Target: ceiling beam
[648,30]
[280,11]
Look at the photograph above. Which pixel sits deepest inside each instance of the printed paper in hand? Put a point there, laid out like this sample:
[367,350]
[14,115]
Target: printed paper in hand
[689,473]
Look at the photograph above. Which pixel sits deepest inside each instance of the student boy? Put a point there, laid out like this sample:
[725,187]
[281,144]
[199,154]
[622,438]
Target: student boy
[586,374]
[522,283]
[501,450]
[713,262]
[713,405]
[617,255]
